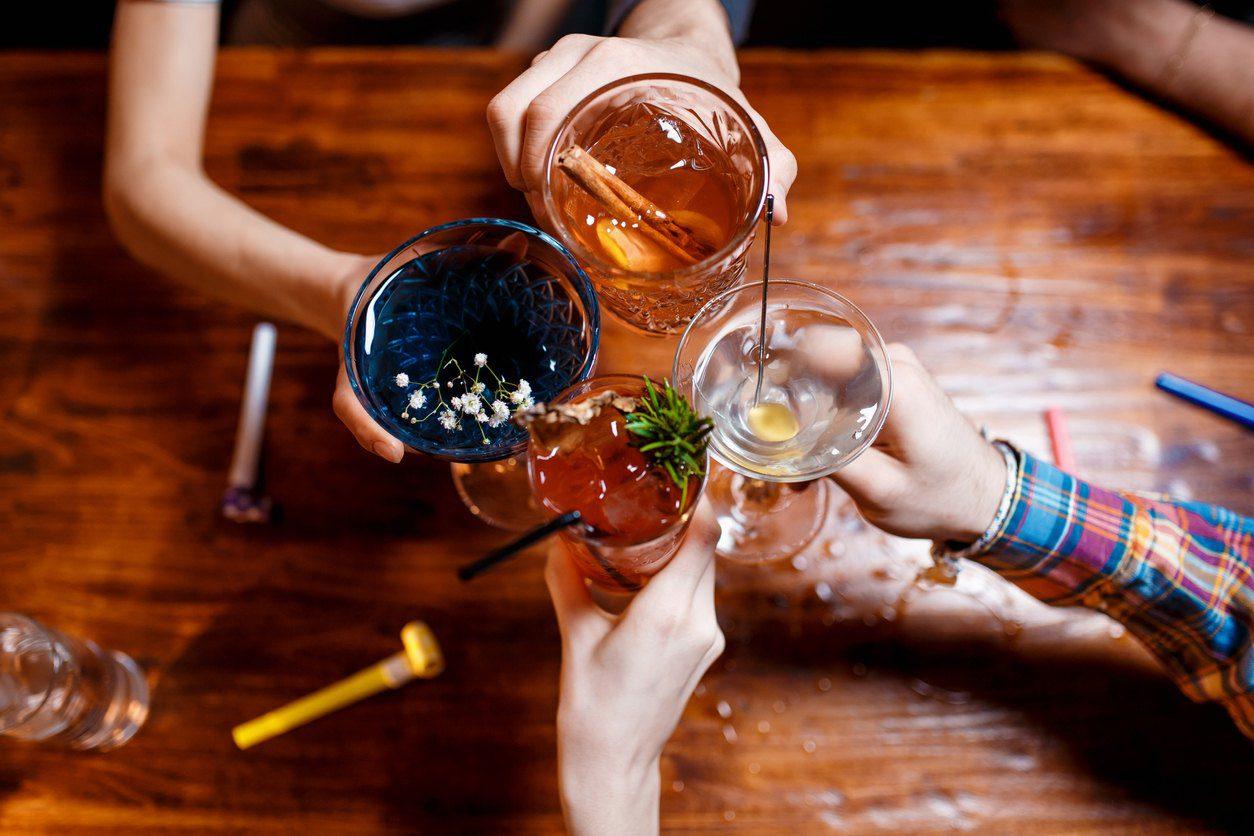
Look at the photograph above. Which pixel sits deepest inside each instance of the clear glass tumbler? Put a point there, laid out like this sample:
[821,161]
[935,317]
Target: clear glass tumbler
[634,516]
[66,691]
[696,154]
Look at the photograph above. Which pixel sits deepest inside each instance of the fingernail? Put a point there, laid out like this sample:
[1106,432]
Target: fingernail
[387,451]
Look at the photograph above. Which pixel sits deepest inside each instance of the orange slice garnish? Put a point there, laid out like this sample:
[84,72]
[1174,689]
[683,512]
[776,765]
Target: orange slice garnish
[702,226]
[631,250]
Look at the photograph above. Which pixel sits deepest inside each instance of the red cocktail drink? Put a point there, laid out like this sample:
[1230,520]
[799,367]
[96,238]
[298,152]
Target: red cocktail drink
[593,459]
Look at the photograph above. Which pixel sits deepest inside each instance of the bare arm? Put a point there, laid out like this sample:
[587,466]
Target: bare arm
[162,206]
[173,218]
[1198,60]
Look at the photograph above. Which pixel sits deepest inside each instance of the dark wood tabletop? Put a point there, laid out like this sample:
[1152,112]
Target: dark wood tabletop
[1037,233]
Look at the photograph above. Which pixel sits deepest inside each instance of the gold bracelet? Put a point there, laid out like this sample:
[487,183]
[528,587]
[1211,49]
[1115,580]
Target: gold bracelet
[1175,63]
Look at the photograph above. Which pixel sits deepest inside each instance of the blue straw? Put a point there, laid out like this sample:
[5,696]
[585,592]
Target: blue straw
[1195,393]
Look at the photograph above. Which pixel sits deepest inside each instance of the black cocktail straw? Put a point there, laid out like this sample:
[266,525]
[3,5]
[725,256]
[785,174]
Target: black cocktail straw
[535,535]
[766,280]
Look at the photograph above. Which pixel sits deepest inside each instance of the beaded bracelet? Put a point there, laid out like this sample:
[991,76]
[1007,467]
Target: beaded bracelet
[942,550]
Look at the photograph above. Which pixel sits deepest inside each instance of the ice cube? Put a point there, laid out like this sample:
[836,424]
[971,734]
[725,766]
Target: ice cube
[648,141]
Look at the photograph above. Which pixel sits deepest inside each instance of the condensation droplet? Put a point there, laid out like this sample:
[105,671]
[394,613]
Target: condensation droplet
[754,768]
[700,689]
[729,733]
[809,746]
[724,709]
[764,726]
[1117,631]
[859,669]
[677,786]
[728,815]
[800,562]
[778,706]
[825,684]
[824,591]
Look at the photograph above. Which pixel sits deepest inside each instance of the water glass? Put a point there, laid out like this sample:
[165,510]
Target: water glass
[66,691]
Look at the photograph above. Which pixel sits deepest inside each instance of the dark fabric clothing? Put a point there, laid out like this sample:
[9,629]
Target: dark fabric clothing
[455,23]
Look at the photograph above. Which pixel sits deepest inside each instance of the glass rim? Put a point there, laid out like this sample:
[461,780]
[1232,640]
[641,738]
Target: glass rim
[583,289]
[16,721]
[866,329]
[734,244]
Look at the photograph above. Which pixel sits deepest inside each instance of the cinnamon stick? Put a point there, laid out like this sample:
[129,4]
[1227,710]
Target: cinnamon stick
[624,202]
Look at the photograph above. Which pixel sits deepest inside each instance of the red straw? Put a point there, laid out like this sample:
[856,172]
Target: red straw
[1060,438]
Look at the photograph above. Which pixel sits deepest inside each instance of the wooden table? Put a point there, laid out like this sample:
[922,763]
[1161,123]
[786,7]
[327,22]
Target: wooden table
[1037,233]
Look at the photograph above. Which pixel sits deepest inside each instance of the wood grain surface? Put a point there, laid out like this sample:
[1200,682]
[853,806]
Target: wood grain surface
[1038,234]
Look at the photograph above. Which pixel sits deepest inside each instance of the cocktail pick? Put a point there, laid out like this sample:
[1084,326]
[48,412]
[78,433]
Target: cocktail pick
[421,659]
[243,500]
[512,548]
[766,280]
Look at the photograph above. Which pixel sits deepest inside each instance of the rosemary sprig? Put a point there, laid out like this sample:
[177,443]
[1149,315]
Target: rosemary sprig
[671,434]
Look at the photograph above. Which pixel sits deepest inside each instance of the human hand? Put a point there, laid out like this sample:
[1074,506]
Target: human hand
[686,37]
[929,473]
[626,679]
[372,437]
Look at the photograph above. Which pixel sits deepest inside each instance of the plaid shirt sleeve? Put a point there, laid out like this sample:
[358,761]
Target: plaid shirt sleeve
[1178,575]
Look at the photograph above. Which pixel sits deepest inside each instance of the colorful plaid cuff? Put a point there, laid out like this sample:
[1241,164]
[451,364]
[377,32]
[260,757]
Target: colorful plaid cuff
[1179,575]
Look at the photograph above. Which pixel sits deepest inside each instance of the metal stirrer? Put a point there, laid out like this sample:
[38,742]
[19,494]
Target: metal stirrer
[766,280]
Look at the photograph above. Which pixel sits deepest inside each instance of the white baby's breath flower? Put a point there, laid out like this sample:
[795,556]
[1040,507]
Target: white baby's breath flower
[500,410]
[495,422]
[448,419]
[522,393]
[417,399]
[402,380]
[472,404]
[457,402]
[478,388]
[481,417]
[481,360]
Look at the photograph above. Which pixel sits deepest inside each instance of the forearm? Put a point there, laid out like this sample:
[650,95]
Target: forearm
[172,218]
[163,207]
[606,789]
[1199,60]
[600,802]
[1178,575]
[700,22]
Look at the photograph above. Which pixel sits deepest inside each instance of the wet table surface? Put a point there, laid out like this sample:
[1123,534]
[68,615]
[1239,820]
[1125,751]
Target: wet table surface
[1038,234]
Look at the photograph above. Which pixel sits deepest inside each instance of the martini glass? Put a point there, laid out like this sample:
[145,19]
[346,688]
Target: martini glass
[482,288]
[824,394]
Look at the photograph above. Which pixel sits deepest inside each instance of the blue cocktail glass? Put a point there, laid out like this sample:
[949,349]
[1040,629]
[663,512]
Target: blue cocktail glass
[476,286]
